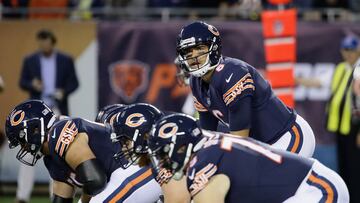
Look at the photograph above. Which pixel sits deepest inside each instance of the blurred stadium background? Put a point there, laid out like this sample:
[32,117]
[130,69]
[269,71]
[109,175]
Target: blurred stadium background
[124,51]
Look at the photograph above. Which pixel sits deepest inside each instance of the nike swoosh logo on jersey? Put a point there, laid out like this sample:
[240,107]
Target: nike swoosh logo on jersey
[229,78]
[192,175]
[54,134]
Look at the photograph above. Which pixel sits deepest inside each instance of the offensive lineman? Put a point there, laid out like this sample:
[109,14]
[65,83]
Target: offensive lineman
[77,152]
[221,167]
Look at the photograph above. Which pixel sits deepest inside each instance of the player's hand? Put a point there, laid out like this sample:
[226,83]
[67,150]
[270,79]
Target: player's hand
[1,84]
[37,84]
[358,140]
[59,94]
[163,176]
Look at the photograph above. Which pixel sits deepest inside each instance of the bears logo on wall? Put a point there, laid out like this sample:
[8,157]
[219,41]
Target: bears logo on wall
[128,79]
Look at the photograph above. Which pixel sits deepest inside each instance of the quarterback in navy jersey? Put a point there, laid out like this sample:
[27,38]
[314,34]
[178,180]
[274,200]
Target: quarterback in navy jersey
[232,92]
[77,152]
[227,168]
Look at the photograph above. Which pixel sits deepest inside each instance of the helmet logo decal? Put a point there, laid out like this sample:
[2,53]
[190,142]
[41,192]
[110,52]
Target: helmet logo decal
[213,30]
[139,120]
[16,122]
[173,130]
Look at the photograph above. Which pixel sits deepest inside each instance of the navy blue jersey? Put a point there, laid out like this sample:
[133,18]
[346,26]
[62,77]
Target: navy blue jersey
[257,172]
[63,133]
[240,97]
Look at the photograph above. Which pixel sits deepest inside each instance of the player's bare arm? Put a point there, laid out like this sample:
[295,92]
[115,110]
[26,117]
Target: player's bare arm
[78,151]
[176,191]
[63,192]
[81,159]
[215,191]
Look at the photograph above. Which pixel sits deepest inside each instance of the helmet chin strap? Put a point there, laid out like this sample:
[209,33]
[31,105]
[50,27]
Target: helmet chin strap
[206,67]
[180,173]
[51,122]
[42,130]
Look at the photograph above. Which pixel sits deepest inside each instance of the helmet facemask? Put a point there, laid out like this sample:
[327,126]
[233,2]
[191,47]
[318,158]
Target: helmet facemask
[211,61]
[131,149]
[31,137]
[131,128]
[174,158]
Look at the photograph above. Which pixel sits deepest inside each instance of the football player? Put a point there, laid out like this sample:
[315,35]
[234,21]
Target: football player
[107,113]
[232,92]
[132,127]
[227,168]
[76,152]
[110,114]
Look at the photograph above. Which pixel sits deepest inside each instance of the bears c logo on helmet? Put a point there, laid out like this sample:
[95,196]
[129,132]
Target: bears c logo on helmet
[168,130]
[135,120]
[213,30]
[14,122]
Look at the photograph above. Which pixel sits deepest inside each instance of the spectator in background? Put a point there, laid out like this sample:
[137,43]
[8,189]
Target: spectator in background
[340,119]
[49,75]
[83,9]
[57,9]
[137,8]
[169,3]
[333,4]
[354,5]
[16,6]
[330,3]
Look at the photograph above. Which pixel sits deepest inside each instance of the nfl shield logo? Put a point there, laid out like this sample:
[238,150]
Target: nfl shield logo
[128,79]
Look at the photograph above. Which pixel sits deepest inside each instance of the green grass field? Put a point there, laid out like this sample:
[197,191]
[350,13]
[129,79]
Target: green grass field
[10,199]
[42,199]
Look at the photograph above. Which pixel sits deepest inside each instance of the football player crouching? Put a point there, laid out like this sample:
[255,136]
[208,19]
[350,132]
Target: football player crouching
[132,127]
[133,122]
[108,113]
[226,168]
[76,152]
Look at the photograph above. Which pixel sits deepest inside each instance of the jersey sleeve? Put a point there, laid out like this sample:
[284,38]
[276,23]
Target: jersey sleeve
[61,136]
[56,172]
[236,82]
[59,171]
[202,168]
[240,114]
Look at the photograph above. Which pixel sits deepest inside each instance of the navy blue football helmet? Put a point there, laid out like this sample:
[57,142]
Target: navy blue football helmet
[172,141]
[195,34]
[27,125]
[108,113]
[132,126]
